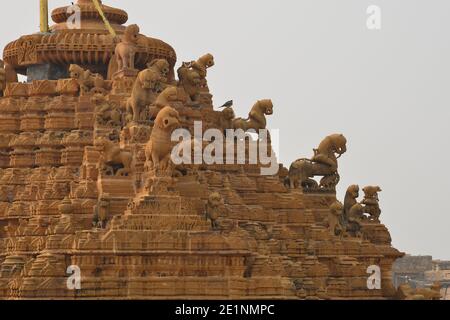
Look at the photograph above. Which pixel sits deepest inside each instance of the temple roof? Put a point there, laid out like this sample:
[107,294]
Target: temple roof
[91,46]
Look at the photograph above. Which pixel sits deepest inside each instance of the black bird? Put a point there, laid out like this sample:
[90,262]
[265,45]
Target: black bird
[227,104]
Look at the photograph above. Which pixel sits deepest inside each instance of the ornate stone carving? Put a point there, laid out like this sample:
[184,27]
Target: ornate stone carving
[144,93]
[324,163]
[107,113]
[257,117]
[114,161]
[126,49]
[214,209]
[159,148]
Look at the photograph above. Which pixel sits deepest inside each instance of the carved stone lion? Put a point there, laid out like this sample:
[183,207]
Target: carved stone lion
[167,97]
[226,119]
[214,209]
[202,65]
[125,51]
[162,67]
[257,117]
[159,148]
[87,80]
[324,163]
[190,82]
[143,94]
[350,200]
[328,148]
[334,219]
[371,202]
[114,160]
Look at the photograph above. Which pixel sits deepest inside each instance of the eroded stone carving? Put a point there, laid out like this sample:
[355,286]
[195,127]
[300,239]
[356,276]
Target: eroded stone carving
[125,51]
[106,113]
[214,209]
[324,163]
[159,148]
[334,219]
[145,90]
[201,66]
[88,81]
[257,117]
[114,160]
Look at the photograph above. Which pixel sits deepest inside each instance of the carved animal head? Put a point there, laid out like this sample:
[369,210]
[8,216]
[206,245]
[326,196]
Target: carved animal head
[188,76]
[207,60]
[167,119]
[160,65]
[75,71]
[353,191]
[371,192]
[337,208]
[339,143]
[215,200]
[266,106]
[148,79]
[131,33]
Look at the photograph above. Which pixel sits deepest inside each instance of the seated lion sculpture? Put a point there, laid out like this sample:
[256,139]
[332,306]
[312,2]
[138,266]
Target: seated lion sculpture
[201,66]
[334,219]
[159,148]
[372,202]
[214,209]
[167,97]
[190,83]
[257,117]
[87,80]
[114,160]
[162,67]
[144,93]
[125,51]
[226,119]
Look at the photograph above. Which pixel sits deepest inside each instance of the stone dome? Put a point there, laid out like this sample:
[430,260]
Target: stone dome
[91,46]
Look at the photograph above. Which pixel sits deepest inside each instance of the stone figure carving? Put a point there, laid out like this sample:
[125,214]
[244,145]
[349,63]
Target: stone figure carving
[190,83]
[101,213]
[257,117]
[328,148]
[201,66]
[162,68]
[371,202]
[144,93]
[87,80]
[334,219]
[226,119]
[350,200]
[106,113]
[125,51]
[324,163]
[159,148]
[114,160]
[214,209]
[167,97]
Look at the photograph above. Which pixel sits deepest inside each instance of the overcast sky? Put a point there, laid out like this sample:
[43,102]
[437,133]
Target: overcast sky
[387,90]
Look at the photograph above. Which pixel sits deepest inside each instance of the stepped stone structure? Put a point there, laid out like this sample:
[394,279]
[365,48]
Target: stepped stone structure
[86,182]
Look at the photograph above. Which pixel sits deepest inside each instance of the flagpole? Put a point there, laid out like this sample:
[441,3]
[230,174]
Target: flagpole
[44,16]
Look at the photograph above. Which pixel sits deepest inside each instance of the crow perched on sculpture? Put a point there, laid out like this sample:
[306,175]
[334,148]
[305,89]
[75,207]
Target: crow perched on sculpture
[227,104]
